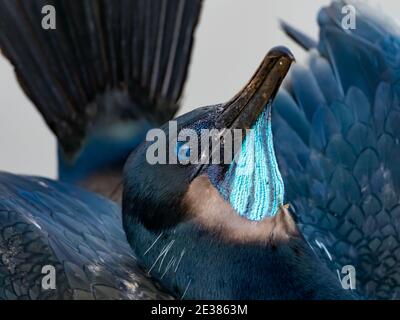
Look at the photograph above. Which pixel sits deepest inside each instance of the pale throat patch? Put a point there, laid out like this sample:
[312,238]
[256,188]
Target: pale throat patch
[209,210]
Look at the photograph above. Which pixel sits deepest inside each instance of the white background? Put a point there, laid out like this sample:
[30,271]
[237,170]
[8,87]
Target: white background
[232,38]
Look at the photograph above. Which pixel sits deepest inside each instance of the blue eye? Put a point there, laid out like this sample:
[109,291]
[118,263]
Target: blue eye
[182,151]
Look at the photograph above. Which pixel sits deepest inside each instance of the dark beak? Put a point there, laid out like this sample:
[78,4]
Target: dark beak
[243,110]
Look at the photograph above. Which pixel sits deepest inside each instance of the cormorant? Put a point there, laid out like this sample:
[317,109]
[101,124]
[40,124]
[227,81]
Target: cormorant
[213,230]
[221,231]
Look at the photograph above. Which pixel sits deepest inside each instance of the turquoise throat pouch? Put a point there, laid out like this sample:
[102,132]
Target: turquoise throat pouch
[253,184]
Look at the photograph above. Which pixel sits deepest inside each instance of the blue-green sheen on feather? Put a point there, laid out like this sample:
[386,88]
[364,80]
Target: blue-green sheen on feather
[256,185]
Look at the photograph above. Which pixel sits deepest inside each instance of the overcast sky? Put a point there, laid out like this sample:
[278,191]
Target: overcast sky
[232,39]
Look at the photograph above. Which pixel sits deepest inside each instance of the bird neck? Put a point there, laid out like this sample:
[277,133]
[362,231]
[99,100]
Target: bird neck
[199,258]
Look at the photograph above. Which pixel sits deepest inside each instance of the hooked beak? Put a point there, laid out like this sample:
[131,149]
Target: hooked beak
[242,111]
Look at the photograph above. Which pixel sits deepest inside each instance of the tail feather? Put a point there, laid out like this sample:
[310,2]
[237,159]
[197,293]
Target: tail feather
[105,61]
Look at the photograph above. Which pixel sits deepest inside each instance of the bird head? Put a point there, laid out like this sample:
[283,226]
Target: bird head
[229,145]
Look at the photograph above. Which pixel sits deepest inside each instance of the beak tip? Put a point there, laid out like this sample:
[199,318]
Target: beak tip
[282,51]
